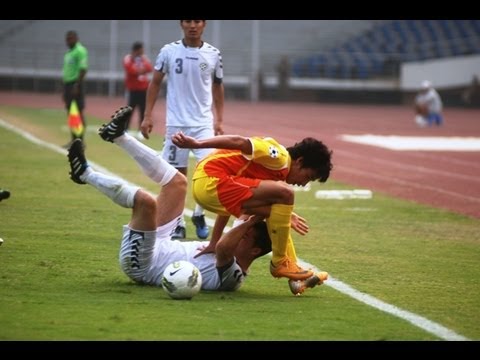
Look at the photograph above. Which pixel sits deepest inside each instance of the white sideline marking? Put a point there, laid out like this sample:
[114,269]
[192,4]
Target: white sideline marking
[416,320]
[343,194]
[408,143]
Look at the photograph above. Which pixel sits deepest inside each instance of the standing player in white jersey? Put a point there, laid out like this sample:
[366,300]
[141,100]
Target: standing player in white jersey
[147,248]
[194,83]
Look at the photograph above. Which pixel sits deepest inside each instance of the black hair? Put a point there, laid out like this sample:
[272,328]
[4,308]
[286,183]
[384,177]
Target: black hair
[137,45]
[71,33]
[262,239]
[316,155]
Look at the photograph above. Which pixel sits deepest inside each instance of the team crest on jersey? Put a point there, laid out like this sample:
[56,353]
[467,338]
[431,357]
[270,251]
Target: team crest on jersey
[203,66]
[273,152]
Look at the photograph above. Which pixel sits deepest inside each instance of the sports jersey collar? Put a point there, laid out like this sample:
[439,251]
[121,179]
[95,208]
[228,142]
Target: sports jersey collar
[191,47]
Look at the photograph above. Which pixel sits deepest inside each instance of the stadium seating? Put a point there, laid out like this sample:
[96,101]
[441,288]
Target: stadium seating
[379,51]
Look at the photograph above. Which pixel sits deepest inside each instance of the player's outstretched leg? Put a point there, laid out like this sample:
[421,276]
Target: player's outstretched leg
[77,160]
[117,126]
[118,190]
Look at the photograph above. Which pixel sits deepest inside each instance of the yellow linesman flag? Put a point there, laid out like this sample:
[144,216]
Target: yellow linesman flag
[74,120]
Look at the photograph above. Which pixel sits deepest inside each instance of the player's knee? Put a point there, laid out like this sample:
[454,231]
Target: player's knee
[145,201]
[179,181]
[285,194]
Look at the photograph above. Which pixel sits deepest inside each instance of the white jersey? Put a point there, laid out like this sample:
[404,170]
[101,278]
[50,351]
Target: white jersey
[189,83]
[144,255]
[431,99]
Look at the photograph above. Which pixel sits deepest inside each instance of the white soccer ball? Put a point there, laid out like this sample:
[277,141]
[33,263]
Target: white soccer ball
[182,280]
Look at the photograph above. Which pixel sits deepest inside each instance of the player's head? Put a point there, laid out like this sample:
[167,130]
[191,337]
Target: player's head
[137,48]
[71,38]
[426,85]
[261,238]
[193,31]
[137,45]
[311,160]
[255,243]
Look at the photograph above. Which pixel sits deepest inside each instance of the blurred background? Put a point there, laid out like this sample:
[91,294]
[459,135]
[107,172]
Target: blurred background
[351,61]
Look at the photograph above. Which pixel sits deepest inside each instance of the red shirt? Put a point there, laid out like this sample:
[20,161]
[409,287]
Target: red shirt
[134,79]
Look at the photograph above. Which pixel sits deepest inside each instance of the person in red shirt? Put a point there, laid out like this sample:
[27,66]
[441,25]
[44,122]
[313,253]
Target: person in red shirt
[137,67]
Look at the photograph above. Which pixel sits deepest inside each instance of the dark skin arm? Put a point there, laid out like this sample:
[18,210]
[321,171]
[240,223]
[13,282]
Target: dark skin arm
[76,87]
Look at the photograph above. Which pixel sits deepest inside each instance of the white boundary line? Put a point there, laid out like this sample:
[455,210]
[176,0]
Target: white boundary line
[416,320]
[416,143]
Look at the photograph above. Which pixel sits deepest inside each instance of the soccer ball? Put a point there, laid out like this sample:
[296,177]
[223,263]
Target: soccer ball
[181,280]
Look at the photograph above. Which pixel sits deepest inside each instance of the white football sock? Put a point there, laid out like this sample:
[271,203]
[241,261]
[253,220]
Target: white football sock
[148,159]
[117,190]
[198,210]
[181,222]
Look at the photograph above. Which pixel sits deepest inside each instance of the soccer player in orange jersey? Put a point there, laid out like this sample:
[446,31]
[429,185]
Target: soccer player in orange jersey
[253,176]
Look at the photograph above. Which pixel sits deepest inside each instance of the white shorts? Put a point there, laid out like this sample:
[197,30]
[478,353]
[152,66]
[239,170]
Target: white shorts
[139,251]
[178,157]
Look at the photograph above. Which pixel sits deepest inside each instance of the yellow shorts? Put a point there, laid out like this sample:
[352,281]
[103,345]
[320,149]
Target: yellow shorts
[223,196]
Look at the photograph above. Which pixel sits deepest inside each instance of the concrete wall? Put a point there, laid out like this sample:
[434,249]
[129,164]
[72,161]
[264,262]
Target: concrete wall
[443,73]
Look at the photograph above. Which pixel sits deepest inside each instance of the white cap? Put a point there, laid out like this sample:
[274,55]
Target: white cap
[426,84]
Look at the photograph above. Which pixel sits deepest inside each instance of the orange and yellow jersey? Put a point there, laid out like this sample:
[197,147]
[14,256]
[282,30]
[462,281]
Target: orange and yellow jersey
[269,161]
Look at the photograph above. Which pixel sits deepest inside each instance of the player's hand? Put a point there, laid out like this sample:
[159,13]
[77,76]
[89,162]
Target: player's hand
[146,127]
[183,141]
[218,128]
[205,250]
[299,224]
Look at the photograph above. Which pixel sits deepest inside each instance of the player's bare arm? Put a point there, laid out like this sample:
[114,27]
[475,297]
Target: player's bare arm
[218,100]
[152,94]
[233,142]
[217,232]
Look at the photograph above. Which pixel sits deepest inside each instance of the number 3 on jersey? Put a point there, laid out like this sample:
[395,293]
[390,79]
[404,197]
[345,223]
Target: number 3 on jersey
[179,68]
[172,156]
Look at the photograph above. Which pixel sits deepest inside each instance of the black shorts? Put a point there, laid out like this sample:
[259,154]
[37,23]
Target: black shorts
[68,96]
